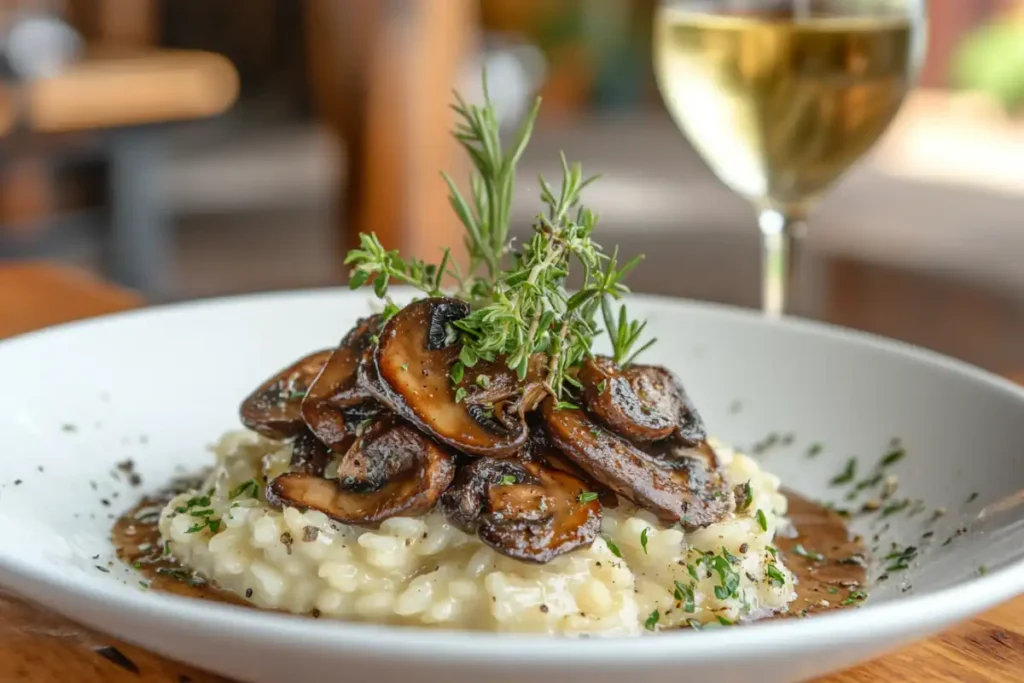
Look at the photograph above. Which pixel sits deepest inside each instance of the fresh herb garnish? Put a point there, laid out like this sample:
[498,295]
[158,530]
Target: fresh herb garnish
[746,497]
[762,521]
[800,550]
[892,457]
[847,475]
[652,620]
[587,497]
[249,489]
[855,597]
[685,595]
[519,304]
[775,577]
[457,371]
[643,538]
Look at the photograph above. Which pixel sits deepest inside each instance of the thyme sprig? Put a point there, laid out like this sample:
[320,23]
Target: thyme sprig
[519,306]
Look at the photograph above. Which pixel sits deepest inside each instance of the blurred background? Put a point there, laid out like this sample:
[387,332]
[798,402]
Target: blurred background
[190,148]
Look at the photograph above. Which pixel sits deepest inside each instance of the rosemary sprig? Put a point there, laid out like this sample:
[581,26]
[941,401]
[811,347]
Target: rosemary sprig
[520,307]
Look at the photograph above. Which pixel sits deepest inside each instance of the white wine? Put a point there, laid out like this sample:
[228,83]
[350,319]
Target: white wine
[779,106]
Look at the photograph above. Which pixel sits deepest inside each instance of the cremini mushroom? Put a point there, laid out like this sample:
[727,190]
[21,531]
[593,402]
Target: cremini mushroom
[336,403]
[274,409]
[676,482]
[404,473]
[411,373]
[524,510]
[640,402]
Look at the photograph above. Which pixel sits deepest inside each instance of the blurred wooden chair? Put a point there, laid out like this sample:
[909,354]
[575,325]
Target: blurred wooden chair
[381,74]
[114,103]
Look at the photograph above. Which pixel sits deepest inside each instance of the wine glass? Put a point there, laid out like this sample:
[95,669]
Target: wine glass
[780,97]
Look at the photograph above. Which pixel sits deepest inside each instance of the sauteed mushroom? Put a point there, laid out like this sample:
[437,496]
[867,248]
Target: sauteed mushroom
[309,454]
[335,403]
[274,409]
[410,373]
[405,474]
[641,402]
[524,510]
[676,482]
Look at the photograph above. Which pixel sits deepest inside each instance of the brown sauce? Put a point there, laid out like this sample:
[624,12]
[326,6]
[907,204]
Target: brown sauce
[136,538]
[829,563]
[827,560]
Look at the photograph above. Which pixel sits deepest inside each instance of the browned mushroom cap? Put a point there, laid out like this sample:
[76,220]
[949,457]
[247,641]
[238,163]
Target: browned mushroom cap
[641,402]
[522,509]
[309,454]
[410,373]
[678,483]
[406,474]
[335,403]
[274,409]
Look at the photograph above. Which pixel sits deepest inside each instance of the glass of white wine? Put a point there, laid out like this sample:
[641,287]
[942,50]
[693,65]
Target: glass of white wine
[780,97]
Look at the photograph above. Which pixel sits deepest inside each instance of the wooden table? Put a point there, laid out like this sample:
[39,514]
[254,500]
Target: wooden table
[37,646]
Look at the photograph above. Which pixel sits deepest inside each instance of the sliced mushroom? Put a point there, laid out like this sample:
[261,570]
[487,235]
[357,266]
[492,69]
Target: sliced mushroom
[539,448]
[405,475]
[410,373]
[641,402]
[524,510]
[309,454]
[676,482]
[335,403]
[274,409]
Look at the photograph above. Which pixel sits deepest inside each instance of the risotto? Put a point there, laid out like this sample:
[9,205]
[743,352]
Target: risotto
[638,575]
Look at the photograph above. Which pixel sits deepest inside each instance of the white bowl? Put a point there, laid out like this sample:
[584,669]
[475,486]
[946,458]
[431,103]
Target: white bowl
[159,385]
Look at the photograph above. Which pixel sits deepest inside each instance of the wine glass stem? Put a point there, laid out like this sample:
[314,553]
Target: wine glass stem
[780,232]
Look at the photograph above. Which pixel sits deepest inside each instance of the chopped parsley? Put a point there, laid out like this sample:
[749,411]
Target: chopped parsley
[894,507]
[892,457]
[457,371]
[847,475]
[775,577]
[854,597]
[685,595]
[587,497]
[643,538]
[250,489]
[652,620]
[746,495]
[800,550]
[728,577]
[762,521]
[900,560]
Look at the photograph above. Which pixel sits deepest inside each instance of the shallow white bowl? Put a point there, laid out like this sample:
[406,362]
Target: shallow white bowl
[159,385]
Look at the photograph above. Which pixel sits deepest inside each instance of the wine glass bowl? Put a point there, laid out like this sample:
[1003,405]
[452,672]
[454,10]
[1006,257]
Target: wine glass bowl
[780,97]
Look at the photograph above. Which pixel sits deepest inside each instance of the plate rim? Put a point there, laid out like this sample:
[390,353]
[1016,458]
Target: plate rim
[904,616]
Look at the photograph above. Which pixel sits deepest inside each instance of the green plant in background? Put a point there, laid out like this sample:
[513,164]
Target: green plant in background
[991,61]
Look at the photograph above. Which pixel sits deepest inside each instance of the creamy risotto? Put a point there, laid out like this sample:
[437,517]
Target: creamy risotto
[638,575]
